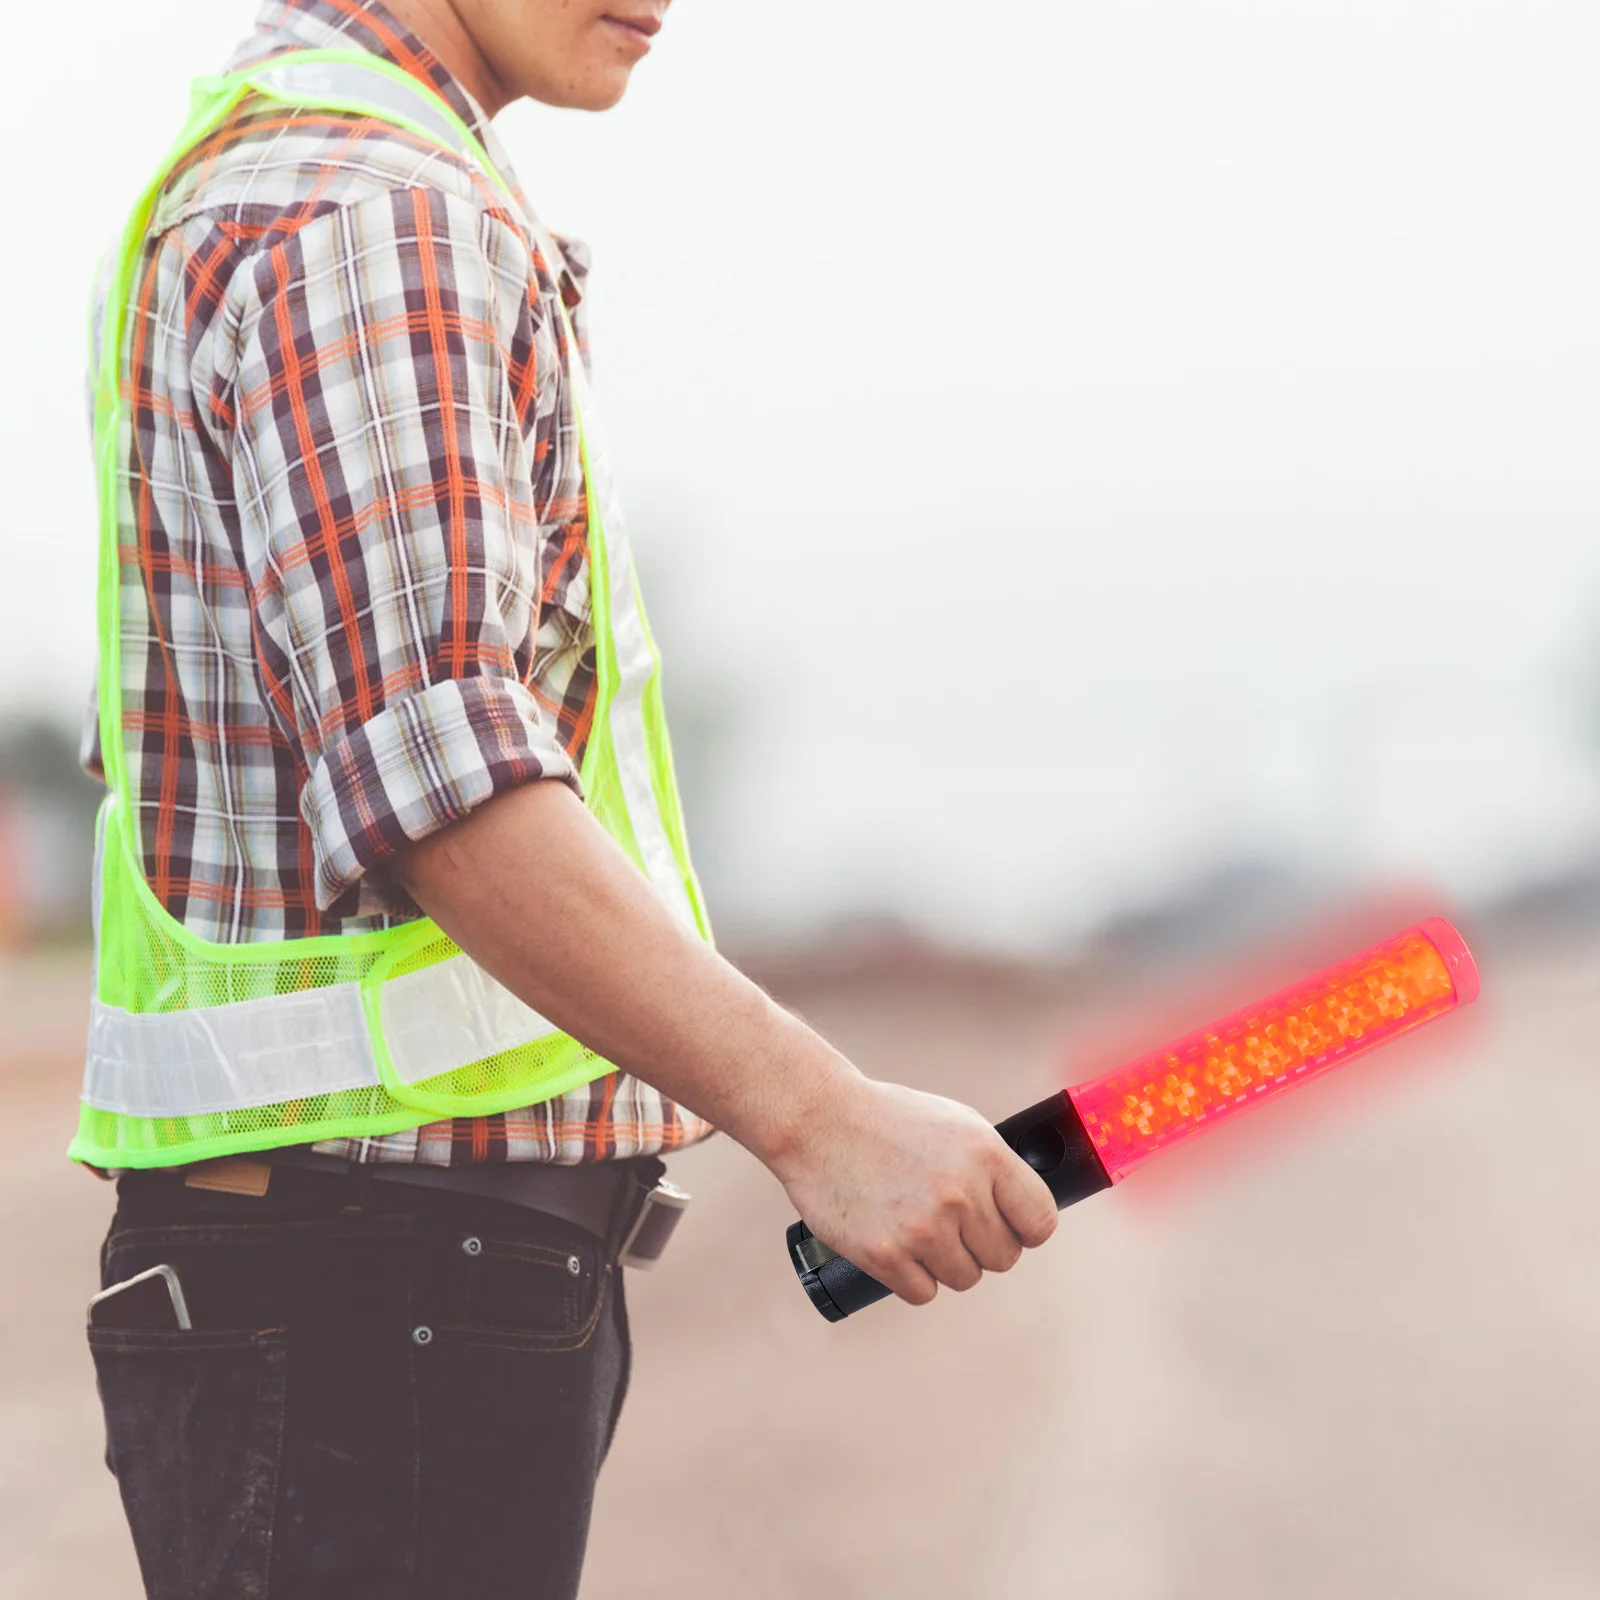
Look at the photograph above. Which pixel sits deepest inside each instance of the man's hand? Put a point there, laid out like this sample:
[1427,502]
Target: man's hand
[913,1188]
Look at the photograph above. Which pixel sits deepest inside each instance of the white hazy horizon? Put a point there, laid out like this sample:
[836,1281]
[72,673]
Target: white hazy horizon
[1076,444]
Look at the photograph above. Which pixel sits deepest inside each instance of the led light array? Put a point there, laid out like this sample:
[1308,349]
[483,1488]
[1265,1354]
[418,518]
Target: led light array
[1269,1047]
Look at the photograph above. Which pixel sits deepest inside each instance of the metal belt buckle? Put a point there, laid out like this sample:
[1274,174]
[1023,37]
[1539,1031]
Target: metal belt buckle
[659,1214]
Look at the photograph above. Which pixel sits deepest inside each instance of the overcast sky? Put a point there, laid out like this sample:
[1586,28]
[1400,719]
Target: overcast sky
[1078,442]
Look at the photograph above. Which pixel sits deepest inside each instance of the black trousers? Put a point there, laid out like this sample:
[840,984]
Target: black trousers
[388,1391]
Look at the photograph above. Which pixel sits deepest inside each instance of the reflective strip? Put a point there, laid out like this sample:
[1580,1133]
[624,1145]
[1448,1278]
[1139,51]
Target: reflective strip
[97,888]
[450,1015]
[317,83]
[293,1046]
[227,1058]
[636,662]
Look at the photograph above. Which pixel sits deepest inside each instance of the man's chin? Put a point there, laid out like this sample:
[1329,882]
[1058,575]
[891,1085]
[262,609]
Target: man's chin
[600,92]
[606,91]
[603,102]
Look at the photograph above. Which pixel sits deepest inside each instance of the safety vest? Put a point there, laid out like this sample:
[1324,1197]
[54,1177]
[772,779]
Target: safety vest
[198,1049]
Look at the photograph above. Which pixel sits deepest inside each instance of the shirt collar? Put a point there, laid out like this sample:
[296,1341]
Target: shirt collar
[368,25]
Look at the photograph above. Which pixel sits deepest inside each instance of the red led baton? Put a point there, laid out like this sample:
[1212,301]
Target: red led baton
[1088,1138]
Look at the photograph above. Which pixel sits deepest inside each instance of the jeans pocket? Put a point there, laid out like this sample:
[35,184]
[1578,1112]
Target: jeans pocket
[523,1294]
[194,1431]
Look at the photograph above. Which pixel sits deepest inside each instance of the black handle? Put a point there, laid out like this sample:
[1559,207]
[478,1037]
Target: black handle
[1048,1136]
[837,1287]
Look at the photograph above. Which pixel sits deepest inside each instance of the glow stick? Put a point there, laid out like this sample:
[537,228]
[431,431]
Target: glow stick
[1091,1137]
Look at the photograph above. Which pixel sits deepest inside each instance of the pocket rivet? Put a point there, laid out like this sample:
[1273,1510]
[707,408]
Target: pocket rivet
[472,1247]
[574,1265]
[421,1336]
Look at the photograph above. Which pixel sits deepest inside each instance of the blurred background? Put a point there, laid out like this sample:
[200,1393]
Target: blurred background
[1122,530]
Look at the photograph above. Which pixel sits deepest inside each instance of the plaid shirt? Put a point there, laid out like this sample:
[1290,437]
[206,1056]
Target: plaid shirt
[355,585]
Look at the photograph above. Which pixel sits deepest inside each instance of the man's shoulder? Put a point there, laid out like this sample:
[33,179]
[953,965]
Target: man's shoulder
[269,172]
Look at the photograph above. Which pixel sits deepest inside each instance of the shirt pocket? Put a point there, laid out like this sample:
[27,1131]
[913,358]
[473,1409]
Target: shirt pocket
[194,1433]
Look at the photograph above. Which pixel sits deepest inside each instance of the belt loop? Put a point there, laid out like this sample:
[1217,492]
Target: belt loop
[361,1200]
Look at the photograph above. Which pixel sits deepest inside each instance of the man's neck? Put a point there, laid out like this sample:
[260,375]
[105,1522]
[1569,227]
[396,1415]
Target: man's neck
[438,24]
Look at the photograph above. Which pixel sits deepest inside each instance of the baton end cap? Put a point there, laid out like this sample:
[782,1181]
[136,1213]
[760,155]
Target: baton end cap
[1457,958]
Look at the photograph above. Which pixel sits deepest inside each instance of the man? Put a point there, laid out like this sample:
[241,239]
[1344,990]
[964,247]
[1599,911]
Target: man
[372,657]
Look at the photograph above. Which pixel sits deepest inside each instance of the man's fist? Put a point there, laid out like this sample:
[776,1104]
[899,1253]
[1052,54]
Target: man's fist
[913,1188]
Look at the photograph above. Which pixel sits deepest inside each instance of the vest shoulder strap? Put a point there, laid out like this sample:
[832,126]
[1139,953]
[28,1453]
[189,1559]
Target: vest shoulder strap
[363,85]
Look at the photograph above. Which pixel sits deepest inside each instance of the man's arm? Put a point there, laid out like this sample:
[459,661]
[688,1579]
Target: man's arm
[916,1189]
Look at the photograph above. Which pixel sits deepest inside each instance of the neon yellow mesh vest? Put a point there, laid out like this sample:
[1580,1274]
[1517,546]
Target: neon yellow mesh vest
[198,1049]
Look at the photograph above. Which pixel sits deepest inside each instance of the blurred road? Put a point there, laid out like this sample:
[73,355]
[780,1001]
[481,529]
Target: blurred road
[1345,1349]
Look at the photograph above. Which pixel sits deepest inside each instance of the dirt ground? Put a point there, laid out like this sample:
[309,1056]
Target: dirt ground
[1346,1350]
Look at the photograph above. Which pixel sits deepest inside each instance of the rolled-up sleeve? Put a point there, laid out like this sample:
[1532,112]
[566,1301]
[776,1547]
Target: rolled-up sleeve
[386,485]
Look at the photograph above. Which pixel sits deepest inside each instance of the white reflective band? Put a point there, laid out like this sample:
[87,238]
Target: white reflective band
[293,1046]
[319,83]
[450,1014]
[97,884]
[227,1058]
[635,665]
[635,660]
